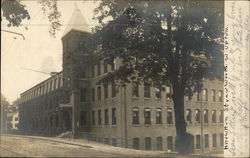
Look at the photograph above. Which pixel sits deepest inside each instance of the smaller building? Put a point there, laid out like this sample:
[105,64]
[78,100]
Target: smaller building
[15,121]
[12,121]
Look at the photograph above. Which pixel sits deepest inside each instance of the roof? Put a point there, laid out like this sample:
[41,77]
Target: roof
[77,22]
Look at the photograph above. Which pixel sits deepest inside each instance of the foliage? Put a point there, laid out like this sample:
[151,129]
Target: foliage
[4,103]
[50,9]
[187,52]
[15,12]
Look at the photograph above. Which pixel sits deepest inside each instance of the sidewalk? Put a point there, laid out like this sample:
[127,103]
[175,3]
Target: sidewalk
[124,152]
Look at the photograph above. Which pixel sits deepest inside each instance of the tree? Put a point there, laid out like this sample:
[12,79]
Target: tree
[163,43]
[4,110]
[15,12]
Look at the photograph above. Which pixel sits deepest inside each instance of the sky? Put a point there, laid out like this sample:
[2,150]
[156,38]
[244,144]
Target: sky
[39,51]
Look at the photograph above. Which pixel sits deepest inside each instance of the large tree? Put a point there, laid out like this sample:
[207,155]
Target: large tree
[175,43]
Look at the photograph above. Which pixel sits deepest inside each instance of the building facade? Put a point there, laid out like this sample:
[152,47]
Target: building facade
[133,116]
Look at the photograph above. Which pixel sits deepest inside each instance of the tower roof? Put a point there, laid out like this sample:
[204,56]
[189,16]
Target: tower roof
[77,22]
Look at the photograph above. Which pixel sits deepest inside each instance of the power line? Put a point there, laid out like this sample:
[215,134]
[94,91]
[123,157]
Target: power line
[35,70]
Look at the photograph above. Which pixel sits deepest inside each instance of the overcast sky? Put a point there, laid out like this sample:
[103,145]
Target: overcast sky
[38,51]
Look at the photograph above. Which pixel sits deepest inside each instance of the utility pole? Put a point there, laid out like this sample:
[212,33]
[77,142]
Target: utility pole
[202,121]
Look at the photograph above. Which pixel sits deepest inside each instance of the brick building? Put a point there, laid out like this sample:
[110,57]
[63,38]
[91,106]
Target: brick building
[135,116]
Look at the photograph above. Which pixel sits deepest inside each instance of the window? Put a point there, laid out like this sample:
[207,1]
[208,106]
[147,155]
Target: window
[135,116]
[93,94]
[99,93]
[205,96]
[106,140]
[83,94]
[220,95]
[213,95]
[113,116]
[214,140]
[198,141]
[168,93]
[93,117]
[112,65]
[147,116]
[158,143]
[189,116]
[83,72]
[114,142]
[158,116]
[99,139]
[213,116]
[93,70]
[158,93]
[113,89]
[106,117]
[136,143]
[83,118]
[197,96]
[221,116]
[169,116]
[147,143]
[170,143]
[105,67]
[197,116]
[106,94]
[205,116]
[206,141]
[135,89]
[146,91]
[99,117]
[98,68]
[221,139]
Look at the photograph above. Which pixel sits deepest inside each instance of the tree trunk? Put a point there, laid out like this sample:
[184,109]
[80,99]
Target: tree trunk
[183,139]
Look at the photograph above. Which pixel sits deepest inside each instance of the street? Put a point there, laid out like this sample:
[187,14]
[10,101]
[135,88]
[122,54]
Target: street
[30,146]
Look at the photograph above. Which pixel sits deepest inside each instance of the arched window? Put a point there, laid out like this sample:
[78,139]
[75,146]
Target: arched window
[169,116]
[213,95]
[136,143]
[158,116]
[221,116]
[198,141]
[135,89]
[147,143]
[170,143]
[106,94]
[99,93]
[189,115]
[213,116]
[204,95]
[147,116]
[220,95]
[168,92]
[157,93]
[197,115]
[159,143]
[135,116]
[205,116]
[197,96]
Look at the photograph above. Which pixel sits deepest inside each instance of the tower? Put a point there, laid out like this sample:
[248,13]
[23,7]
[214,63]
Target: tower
[74,38]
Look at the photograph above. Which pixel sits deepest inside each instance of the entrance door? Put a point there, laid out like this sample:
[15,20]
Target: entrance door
[67,120]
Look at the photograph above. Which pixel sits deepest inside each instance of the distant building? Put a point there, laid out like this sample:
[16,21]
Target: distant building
[12,121]
[135,116]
